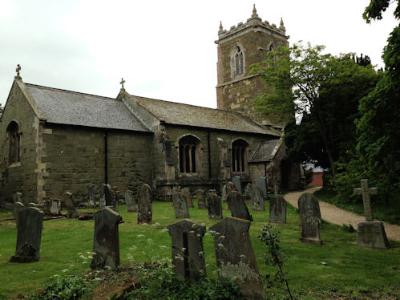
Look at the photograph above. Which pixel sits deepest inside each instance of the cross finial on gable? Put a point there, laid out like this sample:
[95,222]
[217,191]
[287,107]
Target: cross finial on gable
[18,70]
[122,84]
[365,192]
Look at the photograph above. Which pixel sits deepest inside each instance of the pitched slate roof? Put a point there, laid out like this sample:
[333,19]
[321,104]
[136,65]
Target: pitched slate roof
[198,116]
[265,151]
[74,108]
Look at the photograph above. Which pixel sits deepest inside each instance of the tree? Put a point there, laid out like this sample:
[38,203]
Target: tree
[324,89]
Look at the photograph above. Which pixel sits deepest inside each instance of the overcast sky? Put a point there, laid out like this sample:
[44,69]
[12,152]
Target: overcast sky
[163,49]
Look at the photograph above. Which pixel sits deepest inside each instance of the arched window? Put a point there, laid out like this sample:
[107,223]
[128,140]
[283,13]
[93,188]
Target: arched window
[14,142]
[238,61]
[188,157]
[239,156]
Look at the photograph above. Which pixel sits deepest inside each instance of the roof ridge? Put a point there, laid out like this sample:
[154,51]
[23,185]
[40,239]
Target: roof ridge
[67,91]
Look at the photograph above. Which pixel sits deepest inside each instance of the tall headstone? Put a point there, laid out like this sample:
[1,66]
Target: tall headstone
[130,201]
[370,233]
[187,249]
[238,207]
[258,199]
[106,239]
[188,196]
[248,191]
[277,209]
[261,184]
[180,204]
[69,205]
[235,255]
[310,218]
[214,205]
[55,207]
[144,211]
[226,189]
[201,199]
[109,196]
[238,183]
[91,189]
[29,234]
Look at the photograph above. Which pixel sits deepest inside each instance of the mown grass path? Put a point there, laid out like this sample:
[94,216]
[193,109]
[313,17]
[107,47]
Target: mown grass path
[335,215]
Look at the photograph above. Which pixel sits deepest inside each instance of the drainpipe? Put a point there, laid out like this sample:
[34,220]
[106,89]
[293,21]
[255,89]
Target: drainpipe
[106,157]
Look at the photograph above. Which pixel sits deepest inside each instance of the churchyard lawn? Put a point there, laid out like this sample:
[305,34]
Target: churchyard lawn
[337,268]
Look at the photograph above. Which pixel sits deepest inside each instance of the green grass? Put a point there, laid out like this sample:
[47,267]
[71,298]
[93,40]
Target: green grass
[349,269]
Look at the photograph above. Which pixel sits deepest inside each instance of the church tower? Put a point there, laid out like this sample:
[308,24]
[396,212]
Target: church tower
[238,48]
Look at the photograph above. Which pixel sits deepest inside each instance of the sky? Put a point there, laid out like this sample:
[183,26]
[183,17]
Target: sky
[163,49]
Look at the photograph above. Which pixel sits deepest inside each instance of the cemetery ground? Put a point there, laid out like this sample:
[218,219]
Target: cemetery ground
[338,269]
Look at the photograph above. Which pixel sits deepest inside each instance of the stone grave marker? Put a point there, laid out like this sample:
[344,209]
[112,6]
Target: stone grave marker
[55,207]
[144,207]
[226,189]
[106,239]
[17,207]
[130,201]
[180,204]
[69,205]
[258,199]
[201,199]
[237,206]
[188,197]
[238,183]
[91,189]
[187,249]
[29,234]
[214,205]
[261,184]
[370,233]
[235,255]
[109,196]
[248,191]
[277,209]
[310,218]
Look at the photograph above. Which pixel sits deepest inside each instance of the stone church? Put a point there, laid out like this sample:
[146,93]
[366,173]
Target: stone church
[53,140]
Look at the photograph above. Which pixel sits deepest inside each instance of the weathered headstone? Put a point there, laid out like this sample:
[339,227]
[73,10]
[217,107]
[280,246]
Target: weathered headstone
[180,204]
[69,205]
[130,201]
[258,199]
[109,196]
[201,199]
[237,206]
[214,205]
[17,207]
[91,188]
[106,239]
[370,233]
[188,197]
[226,189]
[29,234]
[277,209]
[235,255]
[261,184]
[310,218]
[238,183]
[55,207]
[187,249]
[102,201]
[248,191]
[144,210]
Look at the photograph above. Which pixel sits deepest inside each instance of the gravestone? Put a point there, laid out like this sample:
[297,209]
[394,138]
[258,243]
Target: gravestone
[17,207]
[102,200]
[91,189]
[261,184]
[371,233]
[187,249]
[109,196]
[235,255]
[130,201]
[226,189]
[310,218]
[277,209]
[201,199]
[237,206]
[29,234]
[55,207]
[238,183]
[69,205]
[144,209]
[248,192]
[180,204]
[106,239]
[188,197]
[214,205]
[258,199]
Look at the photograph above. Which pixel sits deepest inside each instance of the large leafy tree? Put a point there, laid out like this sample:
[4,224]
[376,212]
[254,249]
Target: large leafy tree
[325,90]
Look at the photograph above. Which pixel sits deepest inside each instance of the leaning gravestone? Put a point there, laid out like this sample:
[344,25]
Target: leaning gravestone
[214,205]
[235,255]
[258,199]
[180,204]
[310,218]
[238,183]
[187,249]
[91,188]
[55,207]
[188,197]
[261,183]
[72,212]
[201,199]
[370,233]
[277,209]
[106,239]
[29,234]
[130,201]
[144,210]
[237,206]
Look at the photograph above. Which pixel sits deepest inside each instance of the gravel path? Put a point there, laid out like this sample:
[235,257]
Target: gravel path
[335,215]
